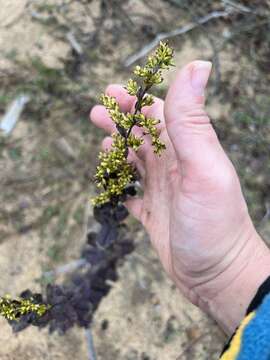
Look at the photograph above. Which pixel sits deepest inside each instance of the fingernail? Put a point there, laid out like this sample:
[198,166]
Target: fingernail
[199,77]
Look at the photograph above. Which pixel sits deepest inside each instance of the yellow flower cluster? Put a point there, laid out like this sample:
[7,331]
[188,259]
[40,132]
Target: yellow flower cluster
[160,60]
[149,125]
[118,117]
[132,87]
[114,173]
[13,309]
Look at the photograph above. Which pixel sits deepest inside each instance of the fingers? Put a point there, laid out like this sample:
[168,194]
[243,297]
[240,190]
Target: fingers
[106,143]
[124,100]
[100,117]
[156,110]
[188,126]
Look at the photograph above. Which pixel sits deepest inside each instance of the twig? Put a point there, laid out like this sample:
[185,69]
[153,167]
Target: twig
[73,265]
[216,64]
[74,43]
[237,6]
[179,31]
[13,114]
[191,344]
[90,345]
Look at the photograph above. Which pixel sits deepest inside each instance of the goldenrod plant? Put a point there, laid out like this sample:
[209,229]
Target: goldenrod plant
[73,302]
[114,172]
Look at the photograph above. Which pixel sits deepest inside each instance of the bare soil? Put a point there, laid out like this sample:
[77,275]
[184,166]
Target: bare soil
[46,185]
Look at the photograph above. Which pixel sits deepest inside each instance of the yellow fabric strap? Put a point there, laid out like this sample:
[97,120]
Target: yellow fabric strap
[235,345]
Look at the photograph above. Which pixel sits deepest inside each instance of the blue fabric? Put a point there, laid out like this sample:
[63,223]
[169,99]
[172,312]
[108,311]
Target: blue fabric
[256,336]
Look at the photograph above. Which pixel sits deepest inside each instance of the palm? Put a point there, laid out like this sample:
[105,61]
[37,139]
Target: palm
[161,179]
[188,216]
[192,208]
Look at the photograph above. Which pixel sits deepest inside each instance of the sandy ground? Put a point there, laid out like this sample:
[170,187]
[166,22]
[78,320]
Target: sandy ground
[144,317]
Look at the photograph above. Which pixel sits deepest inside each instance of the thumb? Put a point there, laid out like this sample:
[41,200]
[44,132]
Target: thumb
[188,126]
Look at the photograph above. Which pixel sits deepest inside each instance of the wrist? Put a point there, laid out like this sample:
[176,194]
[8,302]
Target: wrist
[240,284]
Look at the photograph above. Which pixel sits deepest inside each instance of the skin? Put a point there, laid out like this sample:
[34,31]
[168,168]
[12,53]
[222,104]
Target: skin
[193,207]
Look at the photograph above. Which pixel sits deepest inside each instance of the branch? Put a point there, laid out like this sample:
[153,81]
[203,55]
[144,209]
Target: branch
[237,6]
[76,46]
[90,345]
[73,265]
[13,114]
[191,344]
[179,31]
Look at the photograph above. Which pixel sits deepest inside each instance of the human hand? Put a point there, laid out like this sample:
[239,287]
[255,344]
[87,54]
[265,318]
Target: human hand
[193,207]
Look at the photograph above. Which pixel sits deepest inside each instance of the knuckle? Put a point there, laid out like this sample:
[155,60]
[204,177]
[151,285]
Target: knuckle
[109,89]
[195,117]
[93,112]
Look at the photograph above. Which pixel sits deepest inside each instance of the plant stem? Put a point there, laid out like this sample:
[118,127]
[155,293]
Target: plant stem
[138,105]
[90,345]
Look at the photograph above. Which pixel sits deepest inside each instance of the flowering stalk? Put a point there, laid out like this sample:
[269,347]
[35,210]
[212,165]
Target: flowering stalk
[114,173]
[74,302]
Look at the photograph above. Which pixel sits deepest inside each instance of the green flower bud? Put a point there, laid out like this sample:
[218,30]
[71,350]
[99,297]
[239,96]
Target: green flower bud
[148,100]
[134,142]
[132,87]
